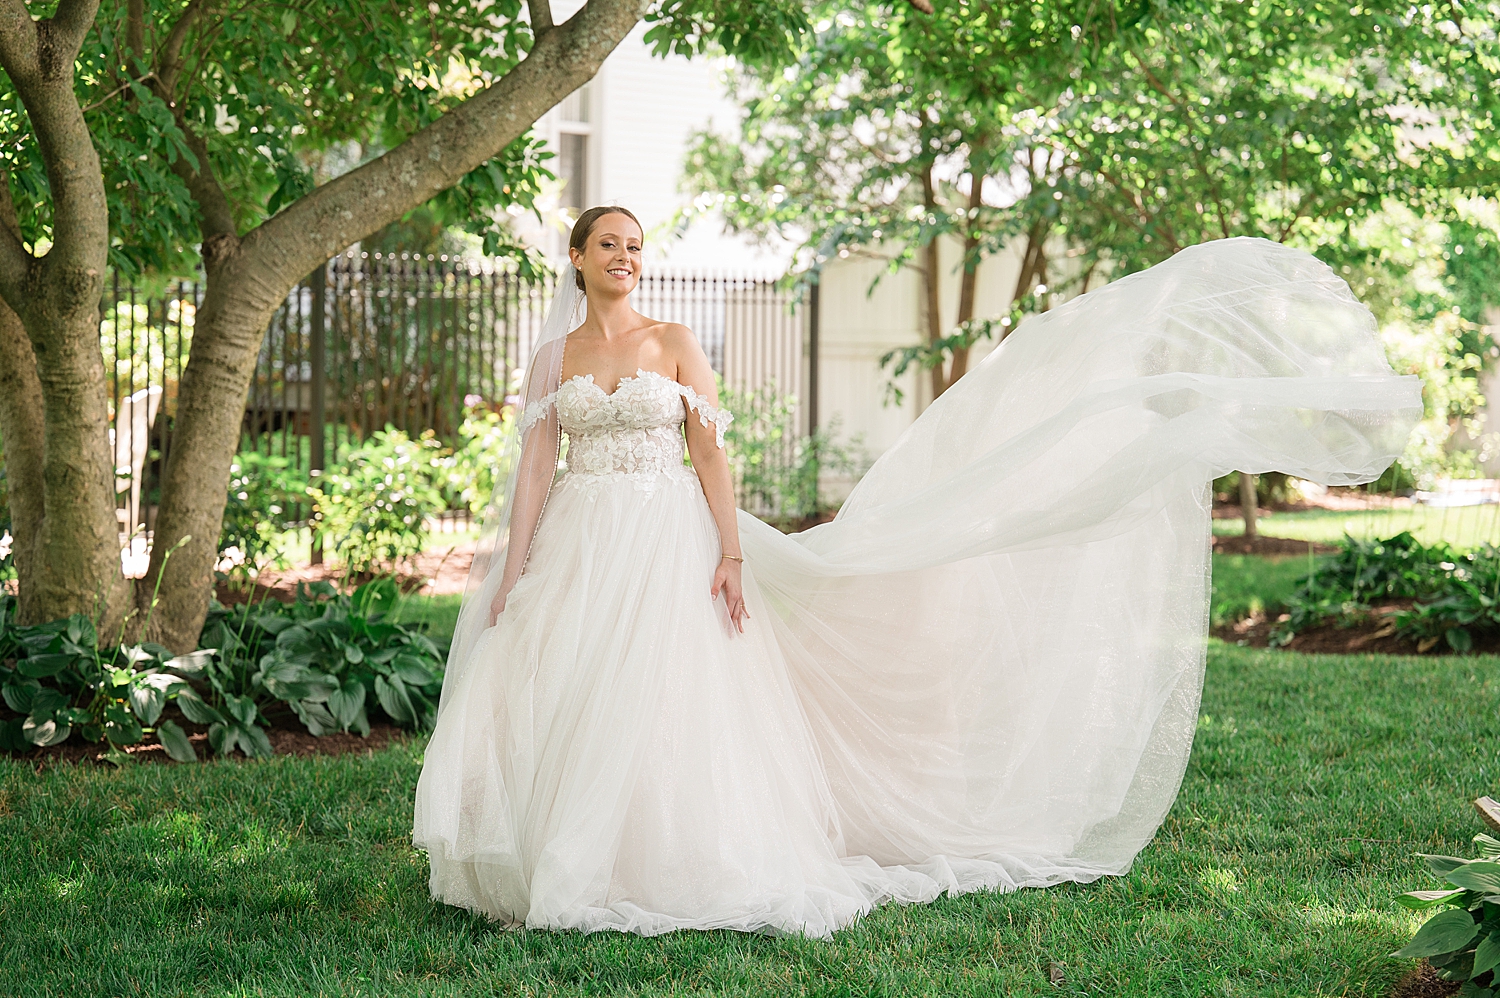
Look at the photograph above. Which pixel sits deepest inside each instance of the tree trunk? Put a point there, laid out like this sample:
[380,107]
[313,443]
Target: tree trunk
[1247,504]
[968,284]
[22,432]
[248,277]
[932,280]
[66,472]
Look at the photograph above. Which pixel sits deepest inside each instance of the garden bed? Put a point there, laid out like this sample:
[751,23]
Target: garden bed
[1371,634]
[286,734]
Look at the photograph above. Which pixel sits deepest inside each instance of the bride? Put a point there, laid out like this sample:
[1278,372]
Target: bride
[661,713]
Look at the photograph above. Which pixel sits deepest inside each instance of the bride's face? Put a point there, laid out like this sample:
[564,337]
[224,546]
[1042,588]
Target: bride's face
[610,260]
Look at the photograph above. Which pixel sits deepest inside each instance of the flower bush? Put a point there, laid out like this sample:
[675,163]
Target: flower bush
[373,511]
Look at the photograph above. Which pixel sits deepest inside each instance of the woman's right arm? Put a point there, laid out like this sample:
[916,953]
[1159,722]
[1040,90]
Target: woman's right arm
[533,483]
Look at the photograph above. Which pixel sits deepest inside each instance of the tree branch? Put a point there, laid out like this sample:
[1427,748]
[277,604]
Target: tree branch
[73,18]
[18,40]
[216,215]
[169,65]
[541,17]
[925,6]
[437,156]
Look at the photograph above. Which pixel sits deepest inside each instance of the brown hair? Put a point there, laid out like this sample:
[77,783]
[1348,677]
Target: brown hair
[585,225]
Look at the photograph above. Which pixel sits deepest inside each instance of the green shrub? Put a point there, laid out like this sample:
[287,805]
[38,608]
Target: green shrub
[1454,594]
[778,472]
[266,496]
[372,512]
[479,464]
[1461,941]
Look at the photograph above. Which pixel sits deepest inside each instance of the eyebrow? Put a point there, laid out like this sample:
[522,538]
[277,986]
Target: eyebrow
[616,235]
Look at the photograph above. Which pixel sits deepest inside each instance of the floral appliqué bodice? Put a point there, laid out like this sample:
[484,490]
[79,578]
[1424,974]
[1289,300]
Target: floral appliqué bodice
[635,431]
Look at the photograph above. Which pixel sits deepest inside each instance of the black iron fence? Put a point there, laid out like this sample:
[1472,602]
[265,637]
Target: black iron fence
[405,341]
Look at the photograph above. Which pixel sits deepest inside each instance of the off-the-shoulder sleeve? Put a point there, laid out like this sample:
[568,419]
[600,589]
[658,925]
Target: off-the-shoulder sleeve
[707,414]
[535,412]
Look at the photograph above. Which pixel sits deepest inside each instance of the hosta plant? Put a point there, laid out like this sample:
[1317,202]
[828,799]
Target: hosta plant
[328,658]
[59,681]
[1462,940]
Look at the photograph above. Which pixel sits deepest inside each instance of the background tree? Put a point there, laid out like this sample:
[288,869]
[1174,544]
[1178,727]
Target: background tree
[166,131]
[885,135]
[1117,139]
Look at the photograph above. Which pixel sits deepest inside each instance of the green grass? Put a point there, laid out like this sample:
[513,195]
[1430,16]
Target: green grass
[439,613]
[1462,526]
[1312,783]
[1245,584]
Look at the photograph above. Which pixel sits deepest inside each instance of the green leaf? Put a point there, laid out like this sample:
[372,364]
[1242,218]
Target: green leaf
[1489,846]
[222,738]
[1479,875]
[1422,900]
[346,703]
[242,709]
[42,666]
[196,710]
[46,702]
[46,733]
[393,700]
[315,717]
[1487,954]
[12,739]
[254,742]
[1446,932]
[1440,865]
[176,742]
[147,701]
[18,695]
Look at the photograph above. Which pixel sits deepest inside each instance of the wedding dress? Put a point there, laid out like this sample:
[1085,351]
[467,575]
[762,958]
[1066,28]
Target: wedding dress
[984,673]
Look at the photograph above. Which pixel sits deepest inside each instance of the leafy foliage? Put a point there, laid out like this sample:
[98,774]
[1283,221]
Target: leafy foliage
[57,680]
[328,658]
[265,493]
[777,470]
[373,510]
[1462,940]
[1455,594]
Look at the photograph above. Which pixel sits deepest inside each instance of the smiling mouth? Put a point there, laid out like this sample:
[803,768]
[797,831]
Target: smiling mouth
[618,272]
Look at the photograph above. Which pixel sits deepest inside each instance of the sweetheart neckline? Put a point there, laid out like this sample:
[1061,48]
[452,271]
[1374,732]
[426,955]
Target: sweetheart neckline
[640,372]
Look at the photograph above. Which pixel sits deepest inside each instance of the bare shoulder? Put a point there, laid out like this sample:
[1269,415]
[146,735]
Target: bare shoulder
[678,342]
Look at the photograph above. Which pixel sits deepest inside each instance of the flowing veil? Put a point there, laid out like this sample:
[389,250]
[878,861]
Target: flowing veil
[530,452]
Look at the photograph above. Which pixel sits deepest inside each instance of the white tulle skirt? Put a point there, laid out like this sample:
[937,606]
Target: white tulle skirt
[983,674]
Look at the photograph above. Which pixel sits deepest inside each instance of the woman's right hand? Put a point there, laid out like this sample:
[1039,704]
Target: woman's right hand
[497,605]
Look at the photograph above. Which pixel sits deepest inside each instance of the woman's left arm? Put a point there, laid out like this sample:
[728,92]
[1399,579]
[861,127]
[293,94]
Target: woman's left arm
[705,428]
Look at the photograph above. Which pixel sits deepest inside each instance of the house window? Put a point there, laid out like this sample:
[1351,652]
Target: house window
[573,133]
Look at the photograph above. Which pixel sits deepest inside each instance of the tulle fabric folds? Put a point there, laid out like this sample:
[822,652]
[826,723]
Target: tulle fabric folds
[984,673]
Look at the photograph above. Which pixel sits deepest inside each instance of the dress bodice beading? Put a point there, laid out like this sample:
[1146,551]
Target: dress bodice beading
[636,430]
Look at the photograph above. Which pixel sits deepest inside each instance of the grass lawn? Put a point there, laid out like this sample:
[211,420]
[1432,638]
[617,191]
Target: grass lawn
[1312,782]
[1245,584]
[1462,526]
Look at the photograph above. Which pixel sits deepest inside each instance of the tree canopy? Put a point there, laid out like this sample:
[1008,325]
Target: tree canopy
[1116,134]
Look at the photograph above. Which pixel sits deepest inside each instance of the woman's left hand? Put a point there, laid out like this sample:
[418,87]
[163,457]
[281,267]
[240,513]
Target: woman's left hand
[727,581]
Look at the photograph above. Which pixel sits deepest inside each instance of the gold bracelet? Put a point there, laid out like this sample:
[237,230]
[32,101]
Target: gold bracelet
[732,557]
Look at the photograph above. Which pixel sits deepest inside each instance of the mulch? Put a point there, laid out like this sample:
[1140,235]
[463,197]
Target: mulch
[434,573]
[1373,634]
[1268,545]
[1423,982]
